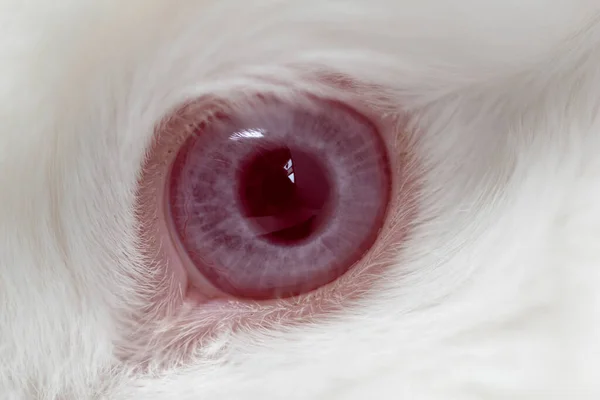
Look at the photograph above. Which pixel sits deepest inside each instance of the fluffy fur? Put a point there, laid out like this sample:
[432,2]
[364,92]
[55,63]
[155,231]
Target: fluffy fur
[494,296]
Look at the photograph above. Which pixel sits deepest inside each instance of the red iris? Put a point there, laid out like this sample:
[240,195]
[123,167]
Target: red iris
[278,200]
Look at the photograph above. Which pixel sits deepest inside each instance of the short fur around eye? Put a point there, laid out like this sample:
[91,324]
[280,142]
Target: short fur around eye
[492,295]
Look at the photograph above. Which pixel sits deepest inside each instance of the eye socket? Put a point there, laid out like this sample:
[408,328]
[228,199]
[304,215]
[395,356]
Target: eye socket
[274,200]
[179,285]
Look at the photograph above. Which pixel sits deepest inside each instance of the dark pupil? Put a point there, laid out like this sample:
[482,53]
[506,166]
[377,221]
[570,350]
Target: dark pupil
[284,192]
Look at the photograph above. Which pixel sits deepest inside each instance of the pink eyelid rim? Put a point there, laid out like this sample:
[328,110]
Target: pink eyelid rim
[182,284]
[175,269]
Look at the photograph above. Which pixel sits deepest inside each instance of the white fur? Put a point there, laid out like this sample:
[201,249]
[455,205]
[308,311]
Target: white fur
[494,297]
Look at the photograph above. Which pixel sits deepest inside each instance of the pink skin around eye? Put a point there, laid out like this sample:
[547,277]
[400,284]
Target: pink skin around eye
[182,288]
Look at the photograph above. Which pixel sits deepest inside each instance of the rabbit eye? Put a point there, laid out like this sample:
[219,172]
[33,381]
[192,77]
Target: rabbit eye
[277,200]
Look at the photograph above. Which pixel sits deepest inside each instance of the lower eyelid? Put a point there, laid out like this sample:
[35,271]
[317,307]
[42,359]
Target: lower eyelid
[189,297]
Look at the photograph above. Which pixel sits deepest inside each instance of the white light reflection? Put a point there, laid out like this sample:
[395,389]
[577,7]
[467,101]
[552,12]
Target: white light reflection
[289,167]
[248,134]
